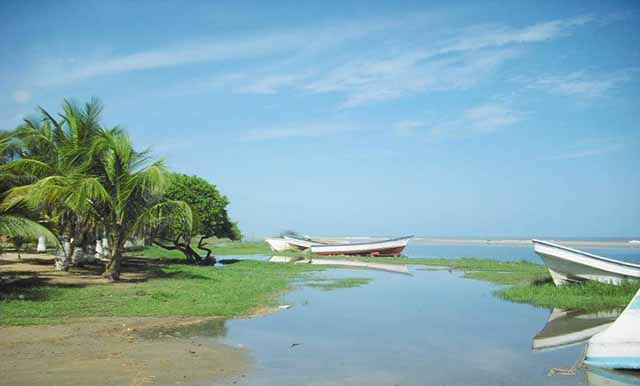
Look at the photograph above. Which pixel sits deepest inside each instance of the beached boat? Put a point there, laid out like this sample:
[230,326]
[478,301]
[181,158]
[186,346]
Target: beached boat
[568,265]
[301,242]
[383,247]
[618,347]
[569,328]
[278,244]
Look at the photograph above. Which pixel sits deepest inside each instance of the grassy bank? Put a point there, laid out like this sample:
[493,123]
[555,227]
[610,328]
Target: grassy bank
[589,295]
[219,248]
[233,290]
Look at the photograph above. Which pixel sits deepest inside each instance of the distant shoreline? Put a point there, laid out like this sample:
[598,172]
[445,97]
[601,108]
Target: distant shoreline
[460,241]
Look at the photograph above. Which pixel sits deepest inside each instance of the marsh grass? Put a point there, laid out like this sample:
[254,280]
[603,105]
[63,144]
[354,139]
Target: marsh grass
[589,295]
[332,284]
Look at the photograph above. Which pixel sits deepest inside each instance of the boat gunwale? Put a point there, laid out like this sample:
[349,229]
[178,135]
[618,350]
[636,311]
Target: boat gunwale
[601,258]
[308,240]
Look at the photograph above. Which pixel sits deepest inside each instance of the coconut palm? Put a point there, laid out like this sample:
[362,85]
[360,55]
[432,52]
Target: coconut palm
[131,201]
[60,147]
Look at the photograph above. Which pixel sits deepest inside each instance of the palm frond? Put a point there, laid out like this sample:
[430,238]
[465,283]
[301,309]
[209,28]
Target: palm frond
[13,226]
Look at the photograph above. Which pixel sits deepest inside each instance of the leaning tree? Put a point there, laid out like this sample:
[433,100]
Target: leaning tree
[210,218]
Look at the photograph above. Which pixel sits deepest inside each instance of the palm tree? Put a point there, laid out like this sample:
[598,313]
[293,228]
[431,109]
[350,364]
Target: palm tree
[132,201]
[63,147]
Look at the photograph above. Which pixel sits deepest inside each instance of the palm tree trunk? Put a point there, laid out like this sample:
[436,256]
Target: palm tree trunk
[112,270]
[63,258]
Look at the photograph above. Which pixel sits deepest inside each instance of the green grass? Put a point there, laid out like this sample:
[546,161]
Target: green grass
[332,284]
[233,290]
[218,248]
[508,278]
[588,295]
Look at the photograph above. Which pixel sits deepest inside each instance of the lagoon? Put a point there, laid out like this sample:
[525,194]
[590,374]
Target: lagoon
[430,328]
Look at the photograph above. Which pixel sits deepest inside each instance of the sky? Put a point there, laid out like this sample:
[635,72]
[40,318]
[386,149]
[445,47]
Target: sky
[466,119]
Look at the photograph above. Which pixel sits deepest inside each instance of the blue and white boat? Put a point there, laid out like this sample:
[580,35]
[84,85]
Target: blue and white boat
[618,347]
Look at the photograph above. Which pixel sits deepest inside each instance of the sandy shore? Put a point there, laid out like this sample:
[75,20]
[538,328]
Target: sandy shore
[115,351]
[428,240]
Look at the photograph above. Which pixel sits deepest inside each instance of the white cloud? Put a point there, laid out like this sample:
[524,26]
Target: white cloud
[482,119]
[478,37]
[584,84]
[282,42]
[409,74]
[22,96]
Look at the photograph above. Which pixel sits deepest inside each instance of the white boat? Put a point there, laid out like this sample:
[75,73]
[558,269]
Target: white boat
[618,347]
[568,265]
[301,242]
[278,244]
[383,247]
[569,328]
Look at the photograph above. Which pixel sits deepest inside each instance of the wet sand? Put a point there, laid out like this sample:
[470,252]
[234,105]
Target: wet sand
[113,351]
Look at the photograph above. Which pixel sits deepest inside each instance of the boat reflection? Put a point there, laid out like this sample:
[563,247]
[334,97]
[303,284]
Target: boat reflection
[567,328]
[602,377]
[395,268]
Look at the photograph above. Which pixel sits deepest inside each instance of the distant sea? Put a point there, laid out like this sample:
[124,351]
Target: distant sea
[511,252]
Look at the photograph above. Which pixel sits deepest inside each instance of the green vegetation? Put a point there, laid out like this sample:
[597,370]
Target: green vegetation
[235,290]
[329,284]
[87,183]
[588,295]
[209,218]
[217,247]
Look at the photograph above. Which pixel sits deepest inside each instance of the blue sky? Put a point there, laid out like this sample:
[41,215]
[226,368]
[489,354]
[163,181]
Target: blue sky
[495,119]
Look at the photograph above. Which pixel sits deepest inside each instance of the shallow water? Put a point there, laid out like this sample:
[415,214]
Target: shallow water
[430,328]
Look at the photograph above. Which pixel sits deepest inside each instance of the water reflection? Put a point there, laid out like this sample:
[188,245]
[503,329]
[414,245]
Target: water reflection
[206,328]
[567,328]
[601,377]
[395,268]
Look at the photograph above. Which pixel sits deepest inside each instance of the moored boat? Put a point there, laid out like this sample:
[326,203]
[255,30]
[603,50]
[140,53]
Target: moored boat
[383,247]
[568,265]
[618,347]
[278,244]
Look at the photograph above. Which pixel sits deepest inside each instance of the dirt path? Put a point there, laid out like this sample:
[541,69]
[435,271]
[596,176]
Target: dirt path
[113,351]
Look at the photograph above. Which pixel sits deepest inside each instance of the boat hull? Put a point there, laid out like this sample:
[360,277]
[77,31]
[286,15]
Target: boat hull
[567,265]
[278,244]
[618,347]
[384,247]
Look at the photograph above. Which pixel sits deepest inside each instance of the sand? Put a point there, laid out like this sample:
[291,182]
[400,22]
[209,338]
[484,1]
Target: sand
[113,351]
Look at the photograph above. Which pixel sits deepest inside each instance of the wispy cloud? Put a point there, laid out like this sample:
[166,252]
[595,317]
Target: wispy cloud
[458,62]
[282,42]
[590,148]
[483,36]
[482,119]
[298,131]
[584,84]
